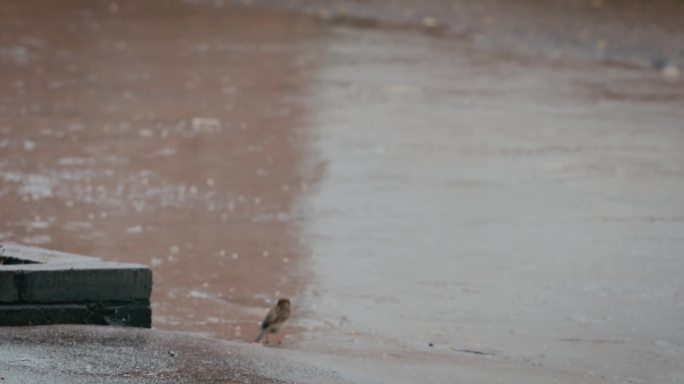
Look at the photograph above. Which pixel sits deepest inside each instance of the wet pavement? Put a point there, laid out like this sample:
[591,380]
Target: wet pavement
[90,354]
[526,210]
[80,354]
[643,33]
[433,210]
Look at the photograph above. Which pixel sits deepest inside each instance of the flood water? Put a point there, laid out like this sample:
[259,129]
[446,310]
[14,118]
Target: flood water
[419,201]
[528,210]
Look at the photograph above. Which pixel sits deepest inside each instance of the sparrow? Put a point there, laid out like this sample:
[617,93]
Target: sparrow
[275,318]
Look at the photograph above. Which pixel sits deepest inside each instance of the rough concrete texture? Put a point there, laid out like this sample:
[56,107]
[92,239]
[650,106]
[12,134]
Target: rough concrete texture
[85,354]
[80,354]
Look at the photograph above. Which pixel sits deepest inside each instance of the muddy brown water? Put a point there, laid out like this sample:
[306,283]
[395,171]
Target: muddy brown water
[421,202]
[168,135]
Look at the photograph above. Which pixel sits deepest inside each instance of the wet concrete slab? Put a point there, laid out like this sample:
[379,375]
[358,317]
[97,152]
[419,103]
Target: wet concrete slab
[42,276]
[432,210]
[39,286]
[81,354]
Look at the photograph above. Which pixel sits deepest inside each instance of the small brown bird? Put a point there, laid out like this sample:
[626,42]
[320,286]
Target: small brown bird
[274,319]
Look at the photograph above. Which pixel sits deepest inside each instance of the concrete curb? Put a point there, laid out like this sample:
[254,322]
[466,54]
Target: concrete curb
[39,286]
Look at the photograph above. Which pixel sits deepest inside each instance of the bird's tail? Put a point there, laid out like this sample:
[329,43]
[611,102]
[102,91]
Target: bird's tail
[261,334]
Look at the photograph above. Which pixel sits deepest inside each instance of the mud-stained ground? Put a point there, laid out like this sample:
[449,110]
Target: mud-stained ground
[436,212]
